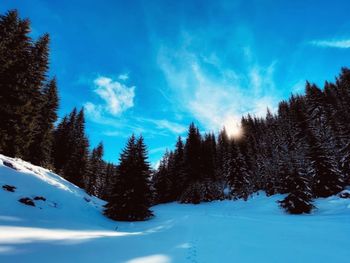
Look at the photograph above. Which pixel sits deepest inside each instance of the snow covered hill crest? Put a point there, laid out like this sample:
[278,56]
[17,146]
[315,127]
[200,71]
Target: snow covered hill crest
[32,195]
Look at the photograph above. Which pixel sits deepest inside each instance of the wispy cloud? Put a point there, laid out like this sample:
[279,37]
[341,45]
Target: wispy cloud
[221,95]
[332,43]
[163,124]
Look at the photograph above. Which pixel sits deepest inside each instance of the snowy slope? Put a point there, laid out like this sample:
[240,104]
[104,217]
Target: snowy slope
[69,227]
[65,202]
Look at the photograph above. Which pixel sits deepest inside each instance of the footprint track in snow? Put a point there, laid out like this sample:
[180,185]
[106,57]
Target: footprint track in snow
[192,252]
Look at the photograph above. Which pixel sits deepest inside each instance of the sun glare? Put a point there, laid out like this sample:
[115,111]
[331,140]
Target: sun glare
[233,127]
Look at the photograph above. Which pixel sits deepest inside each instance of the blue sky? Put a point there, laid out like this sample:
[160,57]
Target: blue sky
[152,67]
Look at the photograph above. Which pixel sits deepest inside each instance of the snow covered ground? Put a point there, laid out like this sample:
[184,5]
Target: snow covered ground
[69,227]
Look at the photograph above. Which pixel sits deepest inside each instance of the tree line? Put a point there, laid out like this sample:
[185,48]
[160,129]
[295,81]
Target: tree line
[302,151]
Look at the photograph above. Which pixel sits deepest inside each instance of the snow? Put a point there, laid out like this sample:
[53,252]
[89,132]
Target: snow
[67,228]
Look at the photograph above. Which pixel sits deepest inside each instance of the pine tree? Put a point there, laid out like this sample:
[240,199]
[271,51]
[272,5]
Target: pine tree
[178,170]
[162,181]
[193,153]
[23,67]
[192,159]
[222,149]
[238,176]
[213,187]
[112,175]
[95,176]
[327,179]
[62,147]
[41,148]
[71,148]
[299,200]
[208,158]
[75,168]
[132,194]
[345,163]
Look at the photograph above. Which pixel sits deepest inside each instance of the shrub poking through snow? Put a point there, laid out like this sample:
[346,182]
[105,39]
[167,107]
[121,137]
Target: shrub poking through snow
[9,188]
[41,198]
[9,165]
[27,201]
[344,194]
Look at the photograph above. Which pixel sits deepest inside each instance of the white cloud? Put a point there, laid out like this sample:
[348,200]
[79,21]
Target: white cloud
[123,76]
[117,96]
[332,43]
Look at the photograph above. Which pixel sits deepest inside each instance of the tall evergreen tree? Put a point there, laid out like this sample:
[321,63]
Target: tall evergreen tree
[95,176]
[112,175]
[132,194]
[299,200]
[76,166]
[41,148]
[323,169]
[222,150]
[162,180]
[71,148]
[178,170]
[23,67]
[63,134]
[238,176]
[192,159]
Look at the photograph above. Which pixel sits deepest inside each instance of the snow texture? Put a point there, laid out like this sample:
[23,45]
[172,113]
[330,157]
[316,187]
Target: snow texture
[69,227]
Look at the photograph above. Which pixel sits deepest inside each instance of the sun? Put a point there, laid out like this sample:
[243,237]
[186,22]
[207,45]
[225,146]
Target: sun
[233,127]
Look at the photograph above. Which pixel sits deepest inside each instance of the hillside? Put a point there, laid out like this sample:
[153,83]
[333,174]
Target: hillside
[66,225]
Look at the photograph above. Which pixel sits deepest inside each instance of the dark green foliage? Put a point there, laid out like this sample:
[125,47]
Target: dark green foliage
[221,156]
[41,148]
[63,139]
[163,180]
[208,157]
[201,183]
[112,175]
[95,176]
[345,163]
[323,169]
[201,191]
[192,155]
[75,167]
[131,198]
[71,148]
[299,200]
[178,170]
[23,68]
[238,176]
